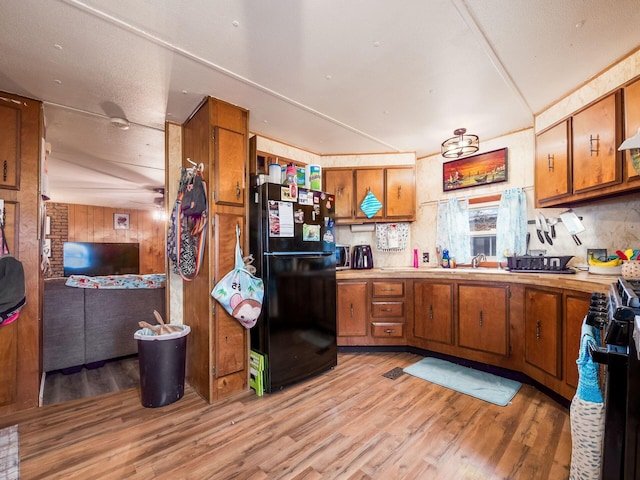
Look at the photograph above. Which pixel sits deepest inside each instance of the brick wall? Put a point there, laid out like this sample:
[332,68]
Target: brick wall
[58,214]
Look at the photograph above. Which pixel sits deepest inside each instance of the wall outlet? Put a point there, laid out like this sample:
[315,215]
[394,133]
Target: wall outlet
[425,257]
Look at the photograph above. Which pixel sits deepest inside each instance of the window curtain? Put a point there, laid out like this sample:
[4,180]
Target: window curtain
[452,231]
[511,226]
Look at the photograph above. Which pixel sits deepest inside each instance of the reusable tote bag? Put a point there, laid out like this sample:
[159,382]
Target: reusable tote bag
[239,292]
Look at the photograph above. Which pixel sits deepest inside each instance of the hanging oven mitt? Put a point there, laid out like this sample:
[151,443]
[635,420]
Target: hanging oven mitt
[370,205]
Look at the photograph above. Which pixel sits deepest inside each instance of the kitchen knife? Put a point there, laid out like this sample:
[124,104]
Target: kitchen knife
[539,230]
[545,228]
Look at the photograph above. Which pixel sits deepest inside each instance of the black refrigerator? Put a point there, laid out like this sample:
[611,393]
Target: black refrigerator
[292,241]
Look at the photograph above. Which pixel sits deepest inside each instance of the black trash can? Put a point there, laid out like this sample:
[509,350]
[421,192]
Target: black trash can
[161,360]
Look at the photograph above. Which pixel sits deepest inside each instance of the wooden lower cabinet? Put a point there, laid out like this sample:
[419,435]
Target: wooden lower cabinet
[352,309]
[371,312]
[576,306]
[433,311]
[542,320]
[483,318]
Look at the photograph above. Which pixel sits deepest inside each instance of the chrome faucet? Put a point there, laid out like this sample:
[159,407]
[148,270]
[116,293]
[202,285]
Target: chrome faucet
[477,259]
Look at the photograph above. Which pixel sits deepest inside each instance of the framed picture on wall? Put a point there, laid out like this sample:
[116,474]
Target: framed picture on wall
[121,221]
[475,171]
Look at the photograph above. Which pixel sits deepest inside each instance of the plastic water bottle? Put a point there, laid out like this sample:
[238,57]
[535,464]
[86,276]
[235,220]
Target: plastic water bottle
[291,179]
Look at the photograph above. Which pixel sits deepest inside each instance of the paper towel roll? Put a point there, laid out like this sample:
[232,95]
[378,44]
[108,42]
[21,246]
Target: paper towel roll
[313,177]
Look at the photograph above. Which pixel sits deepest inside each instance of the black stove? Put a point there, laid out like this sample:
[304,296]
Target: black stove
[617,315]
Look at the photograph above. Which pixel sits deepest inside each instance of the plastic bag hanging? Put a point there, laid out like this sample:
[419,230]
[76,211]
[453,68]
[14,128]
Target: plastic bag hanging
[239,292]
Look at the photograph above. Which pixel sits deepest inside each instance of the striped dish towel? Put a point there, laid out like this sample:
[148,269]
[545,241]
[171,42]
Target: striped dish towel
[370,205]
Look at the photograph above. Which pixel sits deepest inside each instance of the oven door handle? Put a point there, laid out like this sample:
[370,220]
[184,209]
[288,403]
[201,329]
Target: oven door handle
[607,356]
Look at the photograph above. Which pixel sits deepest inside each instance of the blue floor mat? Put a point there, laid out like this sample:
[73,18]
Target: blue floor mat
[482,385]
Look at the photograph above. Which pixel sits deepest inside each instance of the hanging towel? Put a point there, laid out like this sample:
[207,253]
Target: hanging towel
[587,413]
[370,205]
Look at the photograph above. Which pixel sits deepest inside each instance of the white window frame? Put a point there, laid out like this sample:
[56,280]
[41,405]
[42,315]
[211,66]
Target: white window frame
[493,205]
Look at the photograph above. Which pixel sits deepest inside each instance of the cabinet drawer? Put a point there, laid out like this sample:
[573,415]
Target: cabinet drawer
[387,309]
[388,289]
[387,329]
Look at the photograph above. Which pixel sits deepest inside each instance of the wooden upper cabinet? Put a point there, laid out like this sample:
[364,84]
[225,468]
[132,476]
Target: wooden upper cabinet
[552,165]
[10,126]
[340,183]
[394,187]
[632,124]
[369,180]
[596,160]
[230,159]
[400,198]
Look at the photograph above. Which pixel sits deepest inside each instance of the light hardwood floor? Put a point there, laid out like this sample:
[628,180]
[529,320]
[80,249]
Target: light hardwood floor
[349,423]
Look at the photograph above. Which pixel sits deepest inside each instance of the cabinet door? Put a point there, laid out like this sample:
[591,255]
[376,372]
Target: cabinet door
[433,311]
[595,150]
[400,198]
[552,163]
[229,336]
[483,321]
[576,306]
[352,310]
[340,183]
[369,180]
[9,145]
[632,124]
[230,158]
[542,325]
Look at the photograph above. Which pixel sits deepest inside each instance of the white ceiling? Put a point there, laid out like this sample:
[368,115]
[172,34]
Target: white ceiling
[329,76]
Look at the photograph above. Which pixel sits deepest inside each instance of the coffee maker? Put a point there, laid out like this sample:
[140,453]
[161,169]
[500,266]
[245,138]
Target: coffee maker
[362,257]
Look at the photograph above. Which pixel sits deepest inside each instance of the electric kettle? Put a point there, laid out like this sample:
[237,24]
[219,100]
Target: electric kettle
[362,257]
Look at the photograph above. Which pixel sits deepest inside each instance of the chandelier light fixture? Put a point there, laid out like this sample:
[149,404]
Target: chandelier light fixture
[460,145]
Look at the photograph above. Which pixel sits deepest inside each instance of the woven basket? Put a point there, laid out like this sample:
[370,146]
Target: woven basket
[631,269]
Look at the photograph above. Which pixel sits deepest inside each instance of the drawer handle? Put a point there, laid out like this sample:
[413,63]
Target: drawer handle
[389,330]
[386,309]
[538,333]
[550,159]
[593,140]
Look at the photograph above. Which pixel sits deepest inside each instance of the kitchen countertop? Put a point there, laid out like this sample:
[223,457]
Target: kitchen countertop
[579,281]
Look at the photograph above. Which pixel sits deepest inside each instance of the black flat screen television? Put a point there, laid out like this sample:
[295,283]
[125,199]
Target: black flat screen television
[86,258]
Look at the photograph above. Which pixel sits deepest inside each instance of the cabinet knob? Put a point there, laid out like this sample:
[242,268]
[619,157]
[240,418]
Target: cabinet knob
[550,162]
[5,169]
[238,190]
[594,140]
[399,191]
[538,333]
[339,193]
[351,310]
[430,312]
[480,318]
